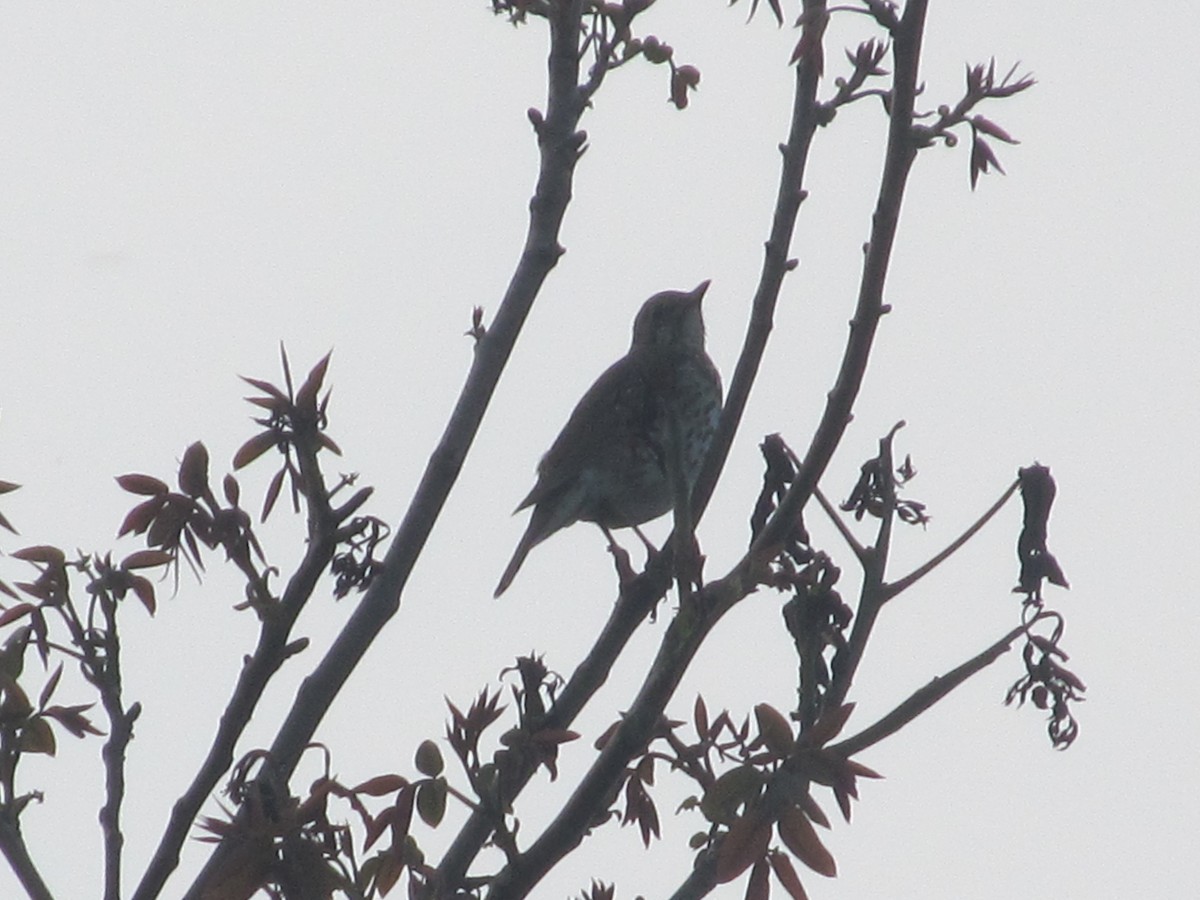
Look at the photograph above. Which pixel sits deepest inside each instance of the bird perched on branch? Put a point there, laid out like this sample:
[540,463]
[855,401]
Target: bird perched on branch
[652,412]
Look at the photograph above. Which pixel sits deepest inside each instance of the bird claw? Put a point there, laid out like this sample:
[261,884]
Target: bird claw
[620,555]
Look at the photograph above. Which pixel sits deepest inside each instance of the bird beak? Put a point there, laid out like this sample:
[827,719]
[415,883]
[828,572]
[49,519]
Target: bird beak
[698,291]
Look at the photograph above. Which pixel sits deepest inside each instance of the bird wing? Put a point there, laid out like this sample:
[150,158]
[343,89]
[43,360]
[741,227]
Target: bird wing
[618,406]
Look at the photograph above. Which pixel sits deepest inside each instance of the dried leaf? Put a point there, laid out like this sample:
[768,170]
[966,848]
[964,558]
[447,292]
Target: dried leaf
[982,158]
[988,127]
[801,839]
[145,593]
[138,519]
[391,867]
[145,485]
[233,492]
[146,559]
[774,729]
[700,717]
[51,685]
[734,788]
[328,443]
[38,737]
[14,702]
[431,801]
[745,844]
[306,398]
[15,612]
[266,387]
[273,493]
[429,759]
[73,719]
[813,811]
[758,887]
[41,553]
[377,826]
[193,470]
[380,785]
[254,448]
[786,874]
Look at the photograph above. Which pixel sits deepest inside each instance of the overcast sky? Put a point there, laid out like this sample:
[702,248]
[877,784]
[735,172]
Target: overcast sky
[186,185]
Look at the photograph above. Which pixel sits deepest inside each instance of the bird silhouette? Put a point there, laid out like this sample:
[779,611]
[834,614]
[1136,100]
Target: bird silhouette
[653,409]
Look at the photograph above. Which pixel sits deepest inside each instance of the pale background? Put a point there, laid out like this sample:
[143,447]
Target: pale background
[186,185]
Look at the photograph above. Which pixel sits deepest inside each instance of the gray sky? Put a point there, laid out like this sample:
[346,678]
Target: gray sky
[187,185]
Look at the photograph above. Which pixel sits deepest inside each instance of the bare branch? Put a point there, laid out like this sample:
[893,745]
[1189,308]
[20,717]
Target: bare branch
[560,144]
[925,697]
[891,589]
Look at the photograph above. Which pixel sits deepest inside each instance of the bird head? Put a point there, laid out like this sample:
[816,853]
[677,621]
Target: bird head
[671,319]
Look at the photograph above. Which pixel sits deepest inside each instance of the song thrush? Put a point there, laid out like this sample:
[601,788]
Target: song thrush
[612,462]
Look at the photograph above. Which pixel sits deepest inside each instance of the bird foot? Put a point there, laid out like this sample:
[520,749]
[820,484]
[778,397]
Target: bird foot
[620,555]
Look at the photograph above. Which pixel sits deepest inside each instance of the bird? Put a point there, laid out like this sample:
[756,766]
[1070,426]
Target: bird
[612,462]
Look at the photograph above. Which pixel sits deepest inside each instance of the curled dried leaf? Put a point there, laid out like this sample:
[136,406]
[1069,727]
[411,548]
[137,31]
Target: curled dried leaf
[193,470]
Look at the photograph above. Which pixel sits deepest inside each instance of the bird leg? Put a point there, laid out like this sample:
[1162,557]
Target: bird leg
[651,550]
[625,573]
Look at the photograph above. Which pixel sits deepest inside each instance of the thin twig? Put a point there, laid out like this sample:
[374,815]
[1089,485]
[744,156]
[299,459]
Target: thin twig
[16,853]
[891,589]
[107,678]
[269,654]
[925,697]
[839,523]
[560,144]
[695,619]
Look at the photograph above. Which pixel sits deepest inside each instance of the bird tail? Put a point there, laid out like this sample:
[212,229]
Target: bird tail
[528,539]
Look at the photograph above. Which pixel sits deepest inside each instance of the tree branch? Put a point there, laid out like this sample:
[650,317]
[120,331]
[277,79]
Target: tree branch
[896,587]
[925,697]
[633,605]
[859,551]
[268,656]
[698,616]
[16,852]
[560,145]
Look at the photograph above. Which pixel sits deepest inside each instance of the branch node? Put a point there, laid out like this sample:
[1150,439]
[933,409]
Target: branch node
[537,120]
[477,331]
